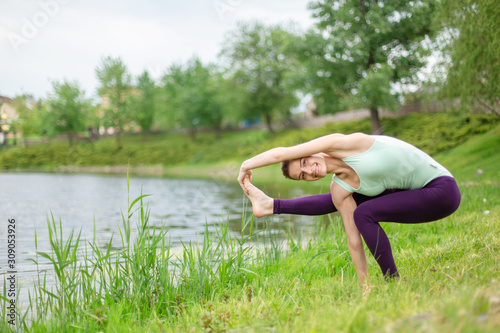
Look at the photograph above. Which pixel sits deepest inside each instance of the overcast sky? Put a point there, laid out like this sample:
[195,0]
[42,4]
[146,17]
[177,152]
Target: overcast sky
[44,40]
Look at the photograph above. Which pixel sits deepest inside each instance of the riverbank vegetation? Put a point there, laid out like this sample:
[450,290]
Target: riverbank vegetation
[229,283]
[171,154]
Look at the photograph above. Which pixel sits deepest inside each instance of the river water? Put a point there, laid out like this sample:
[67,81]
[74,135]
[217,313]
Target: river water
[80,201]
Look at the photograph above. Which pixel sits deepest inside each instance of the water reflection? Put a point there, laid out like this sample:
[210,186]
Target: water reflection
[93,206]
[84,202]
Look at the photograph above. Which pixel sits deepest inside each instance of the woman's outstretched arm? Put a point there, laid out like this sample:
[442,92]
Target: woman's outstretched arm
[323,144]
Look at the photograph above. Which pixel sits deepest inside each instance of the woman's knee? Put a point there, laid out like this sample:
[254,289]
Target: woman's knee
[361,217]
[457,197]
[451,199]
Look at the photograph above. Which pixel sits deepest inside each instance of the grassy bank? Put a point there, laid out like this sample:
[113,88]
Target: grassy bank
[450,272]
[175,155]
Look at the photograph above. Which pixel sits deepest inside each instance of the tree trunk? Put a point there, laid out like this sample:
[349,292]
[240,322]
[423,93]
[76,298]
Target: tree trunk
[70,138]
[192,133]
[118,138]
[218,131]
[268,119]
[376,126]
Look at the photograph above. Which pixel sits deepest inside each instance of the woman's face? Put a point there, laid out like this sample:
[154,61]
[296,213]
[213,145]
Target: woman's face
[308,168]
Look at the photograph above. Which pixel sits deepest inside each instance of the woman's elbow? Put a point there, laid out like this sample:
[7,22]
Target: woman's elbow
[278,154]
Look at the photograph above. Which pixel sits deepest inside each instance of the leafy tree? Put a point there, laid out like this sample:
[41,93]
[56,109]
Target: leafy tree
[375,44]
[191,96]
[261,60]
[68,109]
[115,84]
[218,105]
[473,48]
[95,120]
[323,78]
[229,96]
[28,120]
[144,104]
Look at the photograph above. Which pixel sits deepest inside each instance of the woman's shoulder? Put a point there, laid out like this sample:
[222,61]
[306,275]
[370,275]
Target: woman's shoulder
[344,145]
[359,141]
[351,138]
[358,136]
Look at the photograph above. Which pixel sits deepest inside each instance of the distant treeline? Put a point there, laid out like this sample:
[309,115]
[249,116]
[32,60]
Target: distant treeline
[359,54]
[432,132]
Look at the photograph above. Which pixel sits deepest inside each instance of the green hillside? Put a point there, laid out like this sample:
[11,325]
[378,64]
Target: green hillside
[449,269]
[159,154]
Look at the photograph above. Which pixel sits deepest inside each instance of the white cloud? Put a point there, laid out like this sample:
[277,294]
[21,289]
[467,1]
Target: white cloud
[65,39]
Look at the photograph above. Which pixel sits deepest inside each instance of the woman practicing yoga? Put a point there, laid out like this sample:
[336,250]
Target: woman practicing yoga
[376,179]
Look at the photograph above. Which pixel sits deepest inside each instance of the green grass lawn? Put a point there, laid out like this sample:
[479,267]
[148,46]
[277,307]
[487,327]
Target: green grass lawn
[450,274]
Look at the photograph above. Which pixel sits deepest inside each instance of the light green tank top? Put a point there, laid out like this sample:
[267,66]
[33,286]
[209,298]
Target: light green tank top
[391,164]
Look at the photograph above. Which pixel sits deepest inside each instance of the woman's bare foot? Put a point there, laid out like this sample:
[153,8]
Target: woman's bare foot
[261,203]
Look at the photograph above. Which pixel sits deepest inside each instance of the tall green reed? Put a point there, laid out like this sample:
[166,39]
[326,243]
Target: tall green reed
[143,279]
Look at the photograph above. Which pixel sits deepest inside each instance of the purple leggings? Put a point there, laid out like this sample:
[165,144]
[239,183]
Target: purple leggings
[436,200]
